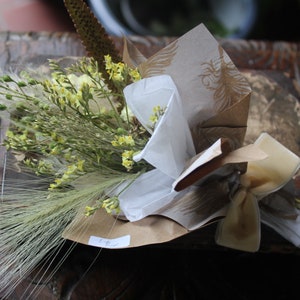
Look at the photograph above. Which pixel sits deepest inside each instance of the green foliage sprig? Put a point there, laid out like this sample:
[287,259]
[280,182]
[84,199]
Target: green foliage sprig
[71,123]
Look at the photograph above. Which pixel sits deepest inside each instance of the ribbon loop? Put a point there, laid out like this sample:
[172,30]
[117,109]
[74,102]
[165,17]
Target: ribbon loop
[240,229]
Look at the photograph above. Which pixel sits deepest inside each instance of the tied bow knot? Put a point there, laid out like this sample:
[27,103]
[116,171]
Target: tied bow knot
[240,229]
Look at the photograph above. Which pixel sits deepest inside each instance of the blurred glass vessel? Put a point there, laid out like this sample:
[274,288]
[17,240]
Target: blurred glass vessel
[224,18]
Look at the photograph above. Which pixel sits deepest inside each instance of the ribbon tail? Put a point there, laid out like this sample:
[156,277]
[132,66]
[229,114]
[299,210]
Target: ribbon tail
[240,229]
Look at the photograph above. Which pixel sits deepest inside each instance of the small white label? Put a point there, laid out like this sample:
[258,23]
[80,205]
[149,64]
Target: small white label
[120,242]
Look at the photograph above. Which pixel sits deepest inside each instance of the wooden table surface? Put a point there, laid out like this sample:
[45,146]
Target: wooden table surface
[167,271]
[17,49]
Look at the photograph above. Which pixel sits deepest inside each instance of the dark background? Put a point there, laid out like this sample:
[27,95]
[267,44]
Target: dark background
[275,19]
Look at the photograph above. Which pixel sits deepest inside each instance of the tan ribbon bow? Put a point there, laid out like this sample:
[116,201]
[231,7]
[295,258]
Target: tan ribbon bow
[240,229]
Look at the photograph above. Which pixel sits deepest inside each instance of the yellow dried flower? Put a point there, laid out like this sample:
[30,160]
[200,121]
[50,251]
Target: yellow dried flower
[127,159]
[135,75]
[158,111]
[111,205]
[123,140]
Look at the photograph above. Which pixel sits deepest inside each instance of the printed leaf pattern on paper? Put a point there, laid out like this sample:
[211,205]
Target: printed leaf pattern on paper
[205,137]
[208,199]
[131,55]
[197,206]
[224,79]
[156,64]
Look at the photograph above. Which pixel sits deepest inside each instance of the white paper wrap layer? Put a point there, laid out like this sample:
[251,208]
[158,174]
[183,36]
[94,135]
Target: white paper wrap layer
[146,195]
[166,151]
[171,144]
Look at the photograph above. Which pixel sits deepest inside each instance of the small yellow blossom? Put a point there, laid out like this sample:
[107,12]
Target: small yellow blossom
[120,73]
[123,140]
[135,75]
[127,159]
[90,210]
[158,111]
[153,119]
[108,62]
[117,76]
[111,205]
